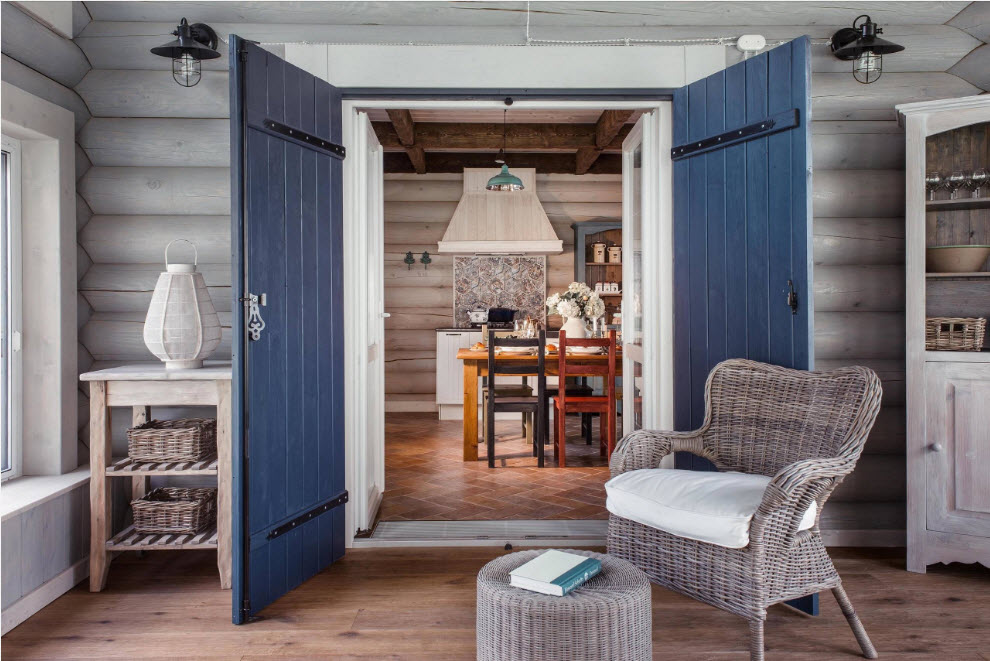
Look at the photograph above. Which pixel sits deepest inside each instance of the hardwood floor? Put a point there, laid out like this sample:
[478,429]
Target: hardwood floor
[426,477]
[419,604]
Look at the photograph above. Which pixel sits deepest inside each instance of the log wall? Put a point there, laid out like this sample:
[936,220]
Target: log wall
[145,131]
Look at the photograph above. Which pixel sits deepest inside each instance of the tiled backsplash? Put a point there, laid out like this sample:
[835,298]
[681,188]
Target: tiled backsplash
[505,282]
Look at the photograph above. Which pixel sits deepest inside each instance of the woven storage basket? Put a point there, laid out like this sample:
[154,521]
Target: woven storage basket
[189,439]
[954,333]
[175,510]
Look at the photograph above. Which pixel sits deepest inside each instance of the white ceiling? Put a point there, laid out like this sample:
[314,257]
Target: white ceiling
[547,14]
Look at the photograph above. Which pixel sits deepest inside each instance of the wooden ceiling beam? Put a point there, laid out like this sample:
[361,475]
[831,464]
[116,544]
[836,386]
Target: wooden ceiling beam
[465,137]
[610,123]
[545,163]
[405,131]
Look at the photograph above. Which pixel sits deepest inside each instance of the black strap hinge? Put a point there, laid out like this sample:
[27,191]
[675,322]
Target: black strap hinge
[305,138]
[308,515]
[762,128]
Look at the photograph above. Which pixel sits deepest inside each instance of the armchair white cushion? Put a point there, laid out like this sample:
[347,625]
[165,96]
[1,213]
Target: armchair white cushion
[704,506]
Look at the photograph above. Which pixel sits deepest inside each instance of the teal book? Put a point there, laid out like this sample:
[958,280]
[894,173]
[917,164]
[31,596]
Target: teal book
[555,573]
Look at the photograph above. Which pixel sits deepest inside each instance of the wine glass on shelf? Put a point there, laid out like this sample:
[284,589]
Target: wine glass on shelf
[956,181]
[933,181]
[978,180]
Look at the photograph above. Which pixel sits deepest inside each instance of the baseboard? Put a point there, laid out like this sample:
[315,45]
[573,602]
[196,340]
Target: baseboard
[409,406]
[45,594]
[865,538]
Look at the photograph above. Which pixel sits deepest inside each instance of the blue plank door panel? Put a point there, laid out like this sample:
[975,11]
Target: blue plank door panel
[288,449]
[742,229]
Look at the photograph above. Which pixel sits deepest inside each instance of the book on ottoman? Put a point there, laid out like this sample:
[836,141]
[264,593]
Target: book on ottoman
[554,572]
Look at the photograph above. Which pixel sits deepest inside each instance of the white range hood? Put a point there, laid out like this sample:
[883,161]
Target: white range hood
[499,222]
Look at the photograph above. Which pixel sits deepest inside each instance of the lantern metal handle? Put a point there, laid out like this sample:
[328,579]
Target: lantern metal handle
[195,251]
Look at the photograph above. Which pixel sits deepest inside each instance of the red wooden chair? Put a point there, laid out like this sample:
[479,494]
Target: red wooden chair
[604,405]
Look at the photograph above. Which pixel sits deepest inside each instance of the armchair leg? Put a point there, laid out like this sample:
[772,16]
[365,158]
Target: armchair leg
[859,631]
[756,640]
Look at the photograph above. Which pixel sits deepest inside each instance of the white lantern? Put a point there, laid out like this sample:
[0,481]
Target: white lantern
[182,327]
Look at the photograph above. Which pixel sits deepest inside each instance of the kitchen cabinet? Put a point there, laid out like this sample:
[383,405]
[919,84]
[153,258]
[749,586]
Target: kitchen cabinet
[450,372]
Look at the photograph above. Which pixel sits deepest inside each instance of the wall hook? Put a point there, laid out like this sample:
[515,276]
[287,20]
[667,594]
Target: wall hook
[425,260]
[409,260]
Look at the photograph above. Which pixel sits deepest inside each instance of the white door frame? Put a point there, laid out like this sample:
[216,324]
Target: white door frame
[356,250]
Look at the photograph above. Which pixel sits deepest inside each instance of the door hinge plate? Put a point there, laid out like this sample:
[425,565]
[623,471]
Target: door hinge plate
[308,515]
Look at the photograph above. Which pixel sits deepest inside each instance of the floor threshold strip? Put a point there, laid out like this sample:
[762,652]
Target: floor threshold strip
[487,533]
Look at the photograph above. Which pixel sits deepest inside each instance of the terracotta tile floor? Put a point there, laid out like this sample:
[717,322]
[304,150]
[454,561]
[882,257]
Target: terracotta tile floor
[427,479]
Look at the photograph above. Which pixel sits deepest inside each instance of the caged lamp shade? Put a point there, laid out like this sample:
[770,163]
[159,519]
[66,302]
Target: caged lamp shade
[182,327]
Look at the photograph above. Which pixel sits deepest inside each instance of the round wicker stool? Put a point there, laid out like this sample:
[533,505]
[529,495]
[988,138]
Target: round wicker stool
[609,617]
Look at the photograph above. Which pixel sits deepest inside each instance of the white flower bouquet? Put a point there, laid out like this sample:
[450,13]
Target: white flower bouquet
[579,302]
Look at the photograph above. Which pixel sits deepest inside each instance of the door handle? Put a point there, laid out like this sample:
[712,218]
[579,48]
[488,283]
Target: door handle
[255,322]
[792,298]
[385,315]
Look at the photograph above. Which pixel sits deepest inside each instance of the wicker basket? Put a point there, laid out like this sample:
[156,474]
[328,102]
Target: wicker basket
[175,510]
[190,439]
[954,333]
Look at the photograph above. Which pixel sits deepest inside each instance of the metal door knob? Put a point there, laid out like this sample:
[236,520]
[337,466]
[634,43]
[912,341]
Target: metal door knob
[935,447]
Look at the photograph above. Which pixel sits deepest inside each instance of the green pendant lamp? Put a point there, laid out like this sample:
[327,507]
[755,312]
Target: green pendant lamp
[504,180]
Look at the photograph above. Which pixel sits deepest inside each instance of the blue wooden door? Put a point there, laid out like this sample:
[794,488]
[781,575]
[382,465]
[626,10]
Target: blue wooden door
[288,448]
[742,221]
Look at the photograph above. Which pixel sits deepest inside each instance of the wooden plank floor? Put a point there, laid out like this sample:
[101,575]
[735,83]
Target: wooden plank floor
[427,479]
[419,604]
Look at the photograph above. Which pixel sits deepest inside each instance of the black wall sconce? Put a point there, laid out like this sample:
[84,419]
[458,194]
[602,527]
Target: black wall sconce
[861,44]
[195,42]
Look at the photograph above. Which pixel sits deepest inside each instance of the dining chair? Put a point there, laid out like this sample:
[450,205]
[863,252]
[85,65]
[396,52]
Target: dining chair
[498,402]
[506,390]
[604,405]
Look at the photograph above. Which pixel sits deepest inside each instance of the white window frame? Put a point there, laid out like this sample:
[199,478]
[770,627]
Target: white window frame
[15,418]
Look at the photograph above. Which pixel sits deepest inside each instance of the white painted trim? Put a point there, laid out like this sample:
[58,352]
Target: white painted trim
[48,592]
[27,492]
[500,247]
[15,296]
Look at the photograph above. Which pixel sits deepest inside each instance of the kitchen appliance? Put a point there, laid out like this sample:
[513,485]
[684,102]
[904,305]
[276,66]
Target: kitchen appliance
[477,316]
[501,315]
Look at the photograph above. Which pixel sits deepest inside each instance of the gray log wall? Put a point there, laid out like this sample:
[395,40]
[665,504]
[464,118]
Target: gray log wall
[159,158]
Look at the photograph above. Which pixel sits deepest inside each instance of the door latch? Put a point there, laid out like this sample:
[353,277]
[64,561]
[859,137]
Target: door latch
[792,298]
[255,324]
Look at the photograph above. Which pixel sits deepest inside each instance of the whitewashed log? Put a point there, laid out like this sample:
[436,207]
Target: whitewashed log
[865,516]
[29,80]
[889,432]
[83,212]
[35,45]
[577,212]
[119,336]
[80,18]
[121,141]
[128,287]
[427,190]
[975,20]
[419,212]
[854,151]
[400,275]
[565,14]
[142,239]
[858,241]
[397,253]
[551,190]
[406,382]
[83,262]
[84,359]
[82,162]
[975,67]
[157,190]
[876,478]
[412,340]
[121,93]
[425,319]
[890,371]
[412,362]
[849,193]
[418,297]
[845,126]
[842,335]
[139,301]
[402,233]
[83,310]
[838,95]
[133,50]
[850,288]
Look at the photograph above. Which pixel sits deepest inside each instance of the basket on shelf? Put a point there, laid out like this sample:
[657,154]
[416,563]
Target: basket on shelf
[189,439]
[175,510]
[954,333]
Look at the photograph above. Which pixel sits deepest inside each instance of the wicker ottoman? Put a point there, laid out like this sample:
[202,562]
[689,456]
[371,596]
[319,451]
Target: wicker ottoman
[609,617]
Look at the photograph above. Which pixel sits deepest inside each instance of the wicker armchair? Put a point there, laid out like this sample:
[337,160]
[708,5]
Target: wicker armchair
[806,430]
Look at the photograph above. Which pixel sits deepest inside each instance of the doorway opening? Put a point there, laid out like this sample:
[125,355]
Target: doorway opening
[411,472]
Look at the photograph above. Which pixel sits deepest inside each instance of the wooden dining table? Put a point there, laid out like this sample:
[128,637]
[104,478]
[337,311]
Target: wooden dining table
[476,366]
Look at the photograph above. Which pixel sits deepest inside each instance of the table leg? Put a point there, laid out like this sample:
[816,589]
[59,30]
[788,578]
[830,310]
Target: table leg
[99,485]
[471,374]
[140,484]
[224,484]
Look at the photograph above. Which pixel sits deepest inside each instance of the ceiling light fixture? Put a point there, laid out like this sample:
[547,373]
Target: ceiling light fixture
[862,45]
[504,180]
[195,42]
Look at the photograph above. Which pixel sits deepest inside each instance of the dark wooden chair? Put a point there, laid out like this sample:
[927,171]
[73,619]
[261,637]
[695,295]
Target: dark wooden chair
[533,405]
[604,405]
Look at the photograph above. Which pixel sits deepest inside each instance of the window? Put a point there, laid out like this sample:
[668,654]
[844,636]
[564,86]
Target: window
[10,307]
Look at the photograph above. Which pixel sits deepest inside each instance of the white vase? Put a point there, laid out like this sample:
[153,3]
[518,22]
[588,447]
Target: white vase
[182,327]
[574,327]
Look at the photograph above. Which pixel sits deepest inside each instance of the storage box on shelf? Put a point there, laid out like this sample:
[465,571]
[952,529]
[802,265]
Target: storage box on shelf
[140,387]
[589,270]
[947,302]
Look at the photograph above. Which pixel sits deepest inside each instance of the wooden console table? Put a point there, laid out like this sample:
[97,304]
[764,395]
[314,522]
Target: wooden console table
[140,387]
